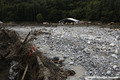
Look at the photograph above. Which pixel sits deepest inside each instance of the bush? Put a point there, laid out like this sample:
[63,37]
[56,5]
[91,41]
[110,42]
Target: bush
[39,17]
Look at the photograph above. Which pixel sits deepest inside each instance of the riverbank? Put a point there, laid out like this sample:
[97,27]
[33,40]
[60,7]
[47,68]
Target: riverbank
[94,48]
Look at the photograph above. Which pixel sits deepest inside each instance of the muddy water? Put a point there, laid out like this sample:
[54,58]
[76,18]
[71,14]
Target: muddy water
[80,72]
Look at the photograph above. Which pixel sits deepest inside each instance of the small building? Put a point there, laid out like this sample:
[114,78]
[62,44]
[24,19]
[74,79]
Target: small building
[69,21]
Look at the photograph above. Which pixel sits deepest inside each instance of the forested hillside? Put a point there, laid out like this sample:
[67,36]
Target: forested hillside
[54,10]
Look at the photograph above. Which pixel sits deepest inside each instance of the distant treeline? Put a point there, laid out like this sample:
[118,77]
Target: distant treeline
[54,10]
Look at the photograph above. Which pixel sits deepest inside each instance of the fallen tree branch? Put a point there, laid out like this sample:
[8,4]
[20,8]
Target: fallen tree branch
[26,38]
[44,70]
[25,72]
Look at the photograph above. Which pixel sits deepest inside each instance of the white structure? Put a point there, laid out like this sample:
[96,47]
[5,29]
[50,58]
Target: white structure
[69,20]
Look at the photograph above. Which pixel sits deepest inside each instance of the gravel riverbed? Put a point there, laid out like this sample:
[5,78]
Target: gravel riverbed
[90,51]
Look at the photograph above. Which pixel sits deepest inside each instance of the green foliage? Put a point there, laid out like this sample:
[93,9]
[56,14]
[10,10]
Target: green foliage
[54,10]
[39,17]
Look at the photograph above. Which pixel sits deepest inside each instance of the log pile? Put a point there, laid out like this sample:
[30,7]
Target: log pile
[22,61]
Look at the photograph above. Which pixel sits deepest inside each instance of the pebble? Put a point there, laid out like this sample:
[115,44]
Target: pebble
[115,66]
[116,51]
[55,59]
[114,55]
[71,63]
[89,42]
[112,44]
[66,56]
[108,72]
[72,58]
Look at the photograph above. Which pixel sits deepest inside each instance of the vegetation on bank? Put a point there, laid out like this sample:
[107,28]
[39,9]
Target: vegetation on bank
[54,10]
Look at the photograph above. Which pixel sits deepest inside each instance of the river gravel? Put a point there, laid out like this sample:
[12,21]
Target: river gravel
[95,49]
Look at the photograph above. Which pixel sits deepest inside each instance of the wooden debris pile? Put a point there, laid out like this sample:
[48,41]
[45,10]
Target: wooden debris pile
[22,61]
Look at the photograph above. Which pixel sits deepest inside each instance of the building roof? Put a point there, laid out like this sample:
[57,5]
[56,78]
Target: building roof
[71,19]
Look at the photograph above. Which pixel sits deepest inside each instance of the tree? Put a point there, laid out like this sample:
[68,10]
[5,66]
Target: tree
[54,10]
[39,17]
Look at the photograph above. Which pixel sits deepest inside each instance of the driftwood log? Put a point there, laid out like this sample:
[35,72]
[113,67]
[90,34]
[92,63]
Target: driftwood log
[31,66]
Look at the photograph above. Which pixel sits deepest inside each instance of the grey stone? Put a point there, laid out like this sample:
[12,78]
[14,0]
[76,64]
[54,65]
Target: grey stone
[71,63]
[108,72]
[114,55]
